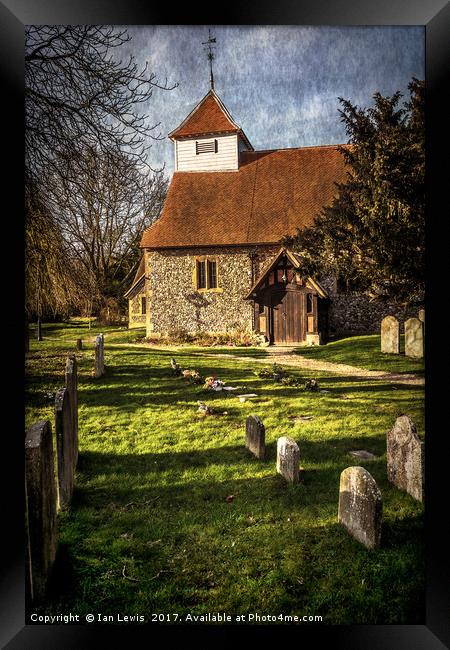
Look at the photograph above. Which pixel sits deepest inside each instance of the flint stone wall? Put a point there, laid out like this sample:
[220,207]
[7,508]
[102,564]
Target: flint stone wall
[135,318]
[175,302]
[352,313]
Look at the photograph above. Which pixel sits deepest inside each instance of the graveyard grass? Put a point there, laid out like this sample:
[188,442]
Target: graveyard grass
[150,529]
[364,352]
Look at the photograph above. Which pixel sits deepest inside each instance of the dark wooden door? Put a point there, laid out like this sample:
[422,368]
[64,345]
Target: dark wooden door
[288,317]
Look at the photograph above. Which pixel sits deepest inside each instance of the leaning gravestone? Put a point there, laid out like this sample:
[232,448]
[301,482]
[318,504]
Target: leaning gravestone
[255,436]
[71,376]
[41,507]
[288,459]
[360,506]
[390,335]
[406,458]
[64,446]
[99,356]
[414,338]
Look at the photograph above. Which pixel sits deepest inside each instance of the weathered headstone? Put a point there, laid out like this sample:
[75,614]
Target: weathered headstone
[414,338]
[360,506]
[405,454]
[71,375]
[41,507]
[255,436]
[288,459]
[390,335]
[79,344]
[64,446]
[421,317]
[99,356]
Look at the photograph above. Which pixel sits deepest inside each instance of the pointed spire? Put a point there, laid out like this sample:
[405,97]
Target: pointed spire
[210,55]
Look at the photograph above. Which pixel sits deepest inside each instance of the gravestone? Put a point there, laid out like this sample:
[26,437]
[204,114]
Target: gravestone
[421,317]
[64,446]
[288,459]
[71,376]
[255,436]
[414,338]
[41,507]
[406,458]
[390,335]
[99,356]
[360,506]
[79,344]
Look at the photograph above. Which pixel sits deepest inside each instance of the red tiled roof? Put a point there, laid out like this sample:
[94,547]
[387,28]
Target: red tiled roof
[209,116]
[272,194]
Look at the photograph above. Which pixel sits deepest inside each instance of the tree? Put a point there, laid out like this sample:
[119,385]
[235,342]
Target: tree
[53,280]
[79,96]
[101,218]
[372,236]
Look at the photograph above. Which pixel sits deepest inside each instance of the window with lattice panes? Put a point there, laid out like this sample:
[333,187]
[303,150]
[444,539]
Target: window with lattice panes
[206,274]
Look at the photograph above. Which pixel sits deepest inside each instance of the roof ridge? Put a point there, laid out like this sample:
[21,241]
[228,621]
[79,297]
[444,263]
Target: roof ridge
[313,146]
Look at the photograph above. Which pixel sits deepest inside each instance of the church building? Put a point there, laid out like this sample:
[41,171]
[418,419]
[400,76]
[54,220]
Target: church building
[214,262]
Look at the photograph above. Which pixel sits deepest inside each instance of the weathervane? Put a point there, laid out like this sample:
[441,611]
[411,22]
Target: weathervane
[209,47]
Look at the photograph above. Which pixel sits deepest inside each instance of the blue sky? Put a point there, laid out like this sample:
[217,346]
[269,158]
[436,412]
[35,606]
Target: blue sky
[280,84]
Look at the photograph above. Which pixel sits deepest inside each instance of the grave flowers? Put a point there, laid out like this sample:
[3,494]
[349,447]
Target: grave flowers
[212,383]
[311,385]
[193,376]
[276,373]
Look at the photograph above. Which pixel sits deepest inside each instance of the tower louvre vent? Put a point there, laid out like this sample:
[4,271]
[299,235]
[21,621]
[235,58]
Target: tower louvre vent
[206,146]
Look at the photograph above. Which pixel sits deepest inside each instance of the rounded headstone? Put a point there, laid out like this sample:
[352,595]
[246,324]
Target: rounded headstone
[360,506]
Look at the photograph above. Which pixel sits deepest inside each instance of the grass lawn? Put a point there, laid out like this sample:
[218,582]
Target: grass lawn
[150,530]
[364,352]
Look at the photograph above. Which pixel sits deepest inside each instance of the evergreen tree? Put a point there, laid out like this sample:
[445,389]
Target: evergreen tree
[373,234]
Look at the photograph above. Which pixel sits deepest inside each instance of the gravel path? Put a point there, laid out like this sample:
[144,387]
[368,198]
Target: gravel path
[286,357]
[297,361]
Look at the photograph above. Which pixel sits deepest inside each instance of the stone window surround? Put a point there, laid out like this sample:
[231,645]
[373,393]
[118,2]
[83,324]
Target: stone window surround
[143,305]
[206,258]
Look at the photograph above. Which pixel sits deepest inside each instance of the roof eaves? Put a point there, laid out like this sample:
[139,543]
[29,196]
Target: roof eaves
[134,286]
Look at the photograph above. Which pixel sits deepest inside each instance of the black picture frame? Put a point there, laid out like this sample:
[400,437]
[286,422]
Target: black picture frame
[435,16]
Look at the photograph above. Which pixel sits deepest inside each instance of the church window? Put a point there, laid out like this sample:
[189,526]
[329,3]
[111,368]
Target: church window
[201,274]
[143,305]
[212,274]
[206,273]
